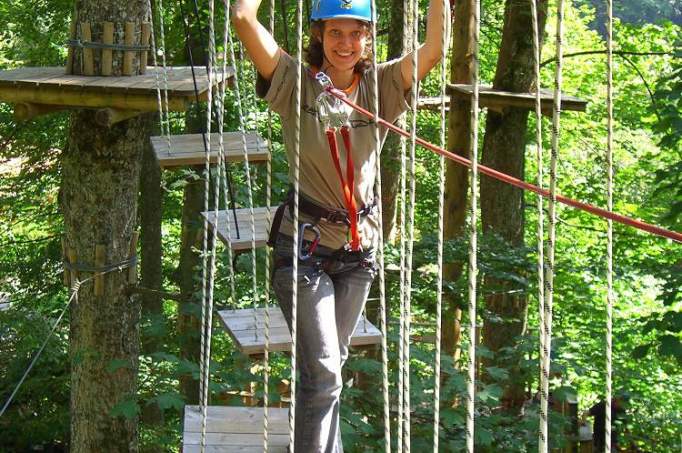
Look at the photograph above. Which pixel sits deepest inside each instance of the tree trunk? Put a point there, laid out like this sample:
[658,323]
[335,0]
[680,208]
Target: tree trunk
[457,176]
[390,153]
[502,206]
[100,169]
[151,274]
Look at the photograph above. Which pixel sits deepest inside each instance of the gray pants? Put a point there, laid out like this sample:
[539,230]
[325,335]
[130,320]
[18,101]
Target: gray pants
[331,296]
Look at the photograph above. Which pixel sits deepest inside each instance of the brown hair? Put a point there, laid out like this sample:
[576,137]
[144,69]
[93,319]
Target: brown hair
[314,52]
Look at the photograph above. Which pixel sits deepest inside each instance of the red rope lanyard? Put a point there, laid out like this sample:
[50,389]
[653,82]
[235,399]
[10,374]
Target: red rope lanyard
[347,183]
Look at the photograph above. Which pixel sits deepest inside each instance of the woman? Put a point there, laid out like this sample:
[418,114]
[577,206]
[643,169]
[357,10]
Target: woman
[336,268]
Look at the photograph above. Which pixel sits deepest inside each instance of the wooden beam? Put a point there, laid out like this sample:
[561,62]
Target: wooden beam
[25,111]
[107,117]
[88,61]
[128,55]
[79,98]
[107,54]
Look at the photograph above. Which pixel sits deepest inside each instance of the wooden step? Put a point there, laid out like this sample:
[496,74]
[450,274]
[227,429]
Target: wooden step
[235,429]
[497,100]
[248,331]
[243,242]
[188,149]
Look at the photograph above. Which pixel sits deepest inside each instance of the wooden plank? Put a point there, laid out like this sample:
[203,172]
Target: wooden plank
[236,429]
[128,55]
[248,330]
[490,97]
[188,149]
[88,61]
[236,420]
[69,55]
[107,54]
[243,242]
[144,40]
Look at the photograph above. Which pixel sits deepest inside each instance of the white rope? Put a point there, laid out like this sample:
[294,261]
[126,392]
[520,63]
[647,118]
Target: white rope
[410,228]
[380,247]
[441,216]
[549,255]
[473,241]
[609,233]
[208,268]
[164,115]
[249,187]
[543,432]
[297,167]
[266,295]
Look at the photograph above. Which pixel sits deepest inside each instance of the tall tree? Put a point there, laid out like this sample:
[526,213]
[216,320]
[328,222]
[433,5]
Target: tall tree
[100,168]
[502,206]
[457,176]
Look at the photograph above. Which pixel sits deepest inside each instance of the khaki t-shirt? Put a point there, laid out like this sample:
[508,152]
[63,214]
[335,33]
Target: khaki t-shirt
[319,180]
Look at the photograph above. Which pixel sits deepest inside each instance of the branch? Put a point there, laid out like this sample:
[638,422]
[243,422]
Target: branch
[153,292]
[615,52]
[28,241]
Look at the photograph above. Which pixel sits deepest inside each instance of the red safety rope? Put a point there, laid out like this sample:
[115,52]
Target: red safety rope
[348,183]
[625,220]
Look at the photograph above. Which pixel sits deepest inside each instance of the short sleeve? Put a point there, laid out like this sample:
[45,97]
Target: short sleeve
[279,90]
[394,99]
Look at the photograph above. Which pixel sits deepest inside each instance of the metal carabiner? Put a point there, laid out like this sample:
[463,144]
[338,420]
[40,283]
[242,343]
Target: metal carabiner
[305,253]
[330,110]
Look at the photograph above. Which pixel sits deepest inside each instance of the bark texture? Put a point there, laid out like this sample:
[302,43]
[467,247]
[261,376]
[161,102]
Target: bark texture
[150,229]
[502,206]
[100,170]
[457,176]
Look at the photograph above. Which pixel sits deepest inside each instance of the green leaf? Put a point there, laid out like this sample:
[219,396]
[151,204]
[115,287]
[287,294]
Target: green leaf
[499,374]
[641,351]
[169,400]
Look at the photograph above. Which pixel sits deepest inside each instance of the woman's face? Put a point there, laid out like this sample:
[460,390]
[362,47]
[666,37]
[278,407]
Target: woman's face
[344,42]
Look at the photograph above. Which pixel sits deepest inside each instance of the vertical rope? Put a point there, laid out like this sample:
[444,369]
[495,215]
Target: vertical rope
[542,441]
[380,246]
[549,255]
[473,241]
[441,216]
[266,298]
[249,187]
[410,226]
[298,93]
[208,273]
[609,232]
[162,100]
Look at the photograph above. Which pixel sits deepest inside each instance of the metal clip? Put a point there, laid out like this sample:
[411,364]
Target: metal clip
[305,253]
[330,110]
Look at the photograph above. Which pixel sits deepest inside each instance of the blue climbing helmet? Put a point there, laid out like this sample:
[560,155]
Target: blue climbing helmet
[341,9]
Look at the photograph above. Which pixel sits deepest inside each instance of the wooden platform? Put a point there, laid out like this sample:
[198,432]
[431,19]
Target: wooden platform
[51,86]
[235,429]
[497,99]
[188,149]
[249,335]
[244,218]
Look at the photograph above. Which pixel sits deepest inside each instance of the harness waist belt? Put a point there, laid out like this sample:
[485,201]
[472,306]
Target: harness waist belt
[314,210]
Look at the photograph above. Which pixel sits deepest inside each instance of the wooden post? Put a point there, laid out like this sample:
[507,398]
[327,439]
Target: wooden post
[65,258]
[88,63]
[107,54]
[100,256]
[73,262]
[24,111]
[69,57]
[132,270]
[144,40]
[128,55]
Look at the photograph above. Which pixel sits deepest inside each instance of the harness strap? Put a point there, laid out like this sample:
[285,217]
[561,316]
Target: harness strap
[347,183]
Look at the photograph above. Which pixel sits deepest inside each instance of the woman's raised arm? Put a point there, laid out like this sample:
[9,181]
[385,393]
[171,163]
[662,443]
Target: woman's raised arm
[257,40]
[430,52]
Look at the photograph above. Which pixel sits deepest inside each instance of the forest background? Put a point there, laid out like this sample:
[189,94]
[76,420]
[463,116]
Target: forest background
[648,312]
